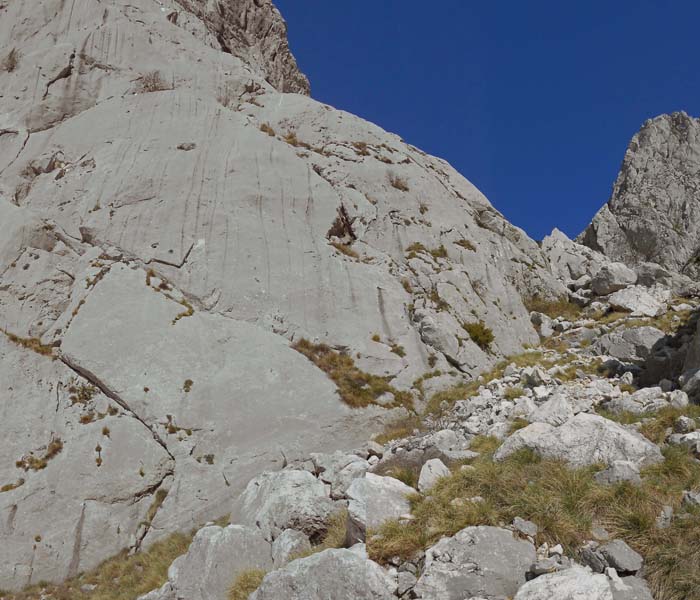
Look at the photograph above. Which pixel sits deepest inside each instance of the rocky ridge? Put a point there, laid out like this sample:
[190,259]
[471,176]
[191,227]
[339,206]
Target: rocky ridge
[652,214]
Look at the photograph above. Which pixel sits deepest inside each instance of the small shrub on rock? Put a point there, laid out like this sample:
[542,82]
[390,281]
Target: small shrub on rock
[479,333]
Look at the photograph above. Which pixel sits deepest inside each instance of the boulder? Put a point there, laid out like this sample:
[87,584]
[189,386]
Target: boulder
[630,588]
[621,557]
[639,402]
[214,559]
[583,440]
[288,544]
[612,277]
[339,470]
[374,499]
[636,300]
[431,472]
[477,561]
[577,583]
[328,575]
[282,500]
[633,345]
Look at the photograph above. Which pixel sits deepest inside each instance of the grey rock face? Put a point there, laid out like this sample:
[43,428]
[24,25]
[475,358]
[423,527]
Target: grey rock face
[612,277]
[375,499]
[328,575]
[621,557]
[430,473]
[283,500]
[654,211]
[287,544]
[571,584]
[583,440]
[477,561]
[255,32]
[215,557]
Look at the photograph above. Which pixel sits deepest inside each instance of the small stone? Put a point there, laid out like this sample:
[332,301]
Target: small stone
[187,146]
[691,499]
[663,521]
[684,424]
[525,527]
[406,582]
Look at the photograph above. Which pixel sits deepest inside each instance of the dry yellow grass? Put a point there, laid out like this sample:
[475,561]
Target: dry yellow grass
[565,503]
[122,577]
[245,584]
[355,387]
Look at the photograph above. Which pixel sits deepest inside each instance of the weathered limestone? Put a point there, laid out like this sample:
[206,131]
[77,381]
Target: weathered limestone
[652,215]
[583,440]
[475,562]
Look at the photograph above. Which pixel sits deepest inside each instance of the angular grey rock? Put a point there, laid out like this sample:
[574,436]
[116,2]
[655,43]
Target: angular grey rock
[630,588]
[525,527]
[407,581]
[339,470]
[374,499]
[288,544]
[636,300]
[555,411]
[282,500]
[476,561]
[583,440]
[214,559]
[328,575]
[431,472]
[621,557]
[618,471]
[653,213]
[576,583]
[612,277]
[633,345]
[639,402]
[569,260]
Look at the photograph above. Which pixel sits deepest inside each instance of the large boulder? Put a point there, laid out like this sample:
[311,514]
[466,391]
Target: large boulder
[484,562]
[577,583]
[636,300]
[282,500]
[612,277]
[374,499]
[328,575]
[632,345]
[214,559]
[583,440]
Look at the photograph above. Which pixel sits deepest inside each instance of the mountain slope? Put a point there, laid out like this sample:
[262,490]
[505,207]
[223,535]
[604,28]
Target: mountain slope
[174,220]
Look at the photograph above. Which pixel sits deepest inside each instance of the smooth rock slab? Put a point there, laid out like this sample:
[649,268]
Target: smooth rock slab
[328,575]
[287,544]
[477,561]
[621,557]
[636,300]
[577,583]
[583,440]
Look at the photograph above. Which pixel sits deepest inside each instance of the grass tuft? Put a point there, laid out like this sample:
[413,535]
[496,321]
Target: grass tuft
[355,387]
[245,584]
[480,334]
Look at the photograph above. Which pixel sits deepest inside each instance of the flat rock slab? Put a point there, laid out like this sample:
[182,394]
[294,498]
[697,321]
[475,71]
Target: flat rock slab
[475,562]
[577,583]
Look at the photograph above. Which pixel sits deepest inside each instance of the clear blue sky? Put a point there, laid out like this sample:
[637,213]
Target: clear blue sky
[534,101]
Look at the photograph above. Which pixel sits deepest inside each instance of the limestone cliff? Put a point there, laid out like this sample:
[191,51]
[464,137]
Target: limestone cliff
[653,214]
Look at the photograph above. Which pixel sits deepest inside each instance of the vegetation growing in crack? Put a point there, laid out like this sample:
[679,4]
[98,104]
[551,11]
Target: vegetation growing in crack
[480,334]
[33,344]
[355,387]
[153,81]
[245,584]
[398,182]
[561,307]
[31,462]
[345,249]
[10,63]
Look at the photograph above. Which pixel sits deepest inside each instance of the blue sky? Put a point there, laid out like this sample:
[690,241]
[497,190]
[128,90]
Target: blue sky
[534,101]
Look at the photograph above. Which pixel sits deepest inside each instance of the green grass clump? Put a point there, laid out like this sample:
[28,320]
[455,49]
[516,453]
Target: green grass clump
[480,334]
[355,387]
[513,392]
[566,504]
